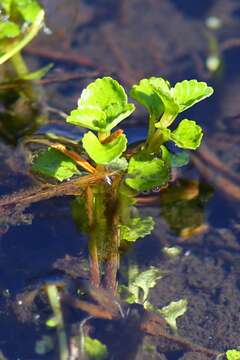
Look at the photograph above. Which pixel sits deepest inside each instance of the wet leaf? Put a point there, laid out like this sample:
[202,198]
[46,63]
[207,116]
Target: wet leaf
[9,29]
[29,9]
[6,4]
[103,153]
[146,172]
[95,349]
[102,105]
[119,164]
[54,164]
[146,280]
[137,228]
[162,88]
[145,94]
[172,311]
[188,135]
[233,354]
[189,92]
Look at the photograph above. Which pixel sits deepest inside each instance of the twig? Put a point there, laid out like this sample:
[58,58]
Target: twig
[225,185]
[70,56]
[67,77]
[47,191]
[213,160]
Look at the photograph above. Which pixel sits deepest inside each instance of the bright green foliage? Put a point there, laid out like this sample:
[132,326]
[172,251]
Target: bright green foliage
[103,153]
[188,135]
[164,91]
[172,311]
[29,9]
[9,29]
[25,19]
[95,349]
[146,95]
[54,164]
[137,228]
[102,105]
[189,92]
[233,354]
[146,171]
[6,4]
[159,97]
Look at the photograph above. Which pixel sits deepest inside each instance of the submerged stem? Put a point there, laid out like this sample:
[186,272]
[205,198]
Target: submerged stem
[54,300]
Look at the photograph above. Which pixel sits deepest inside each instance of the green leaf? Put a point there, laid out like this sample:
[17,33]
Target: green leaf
[23,41]
[29,9]
[175,160]
[39,74]
[146,280]
[146,171]
[145,94]
[126,295]
[171,108]
[9,29]
[6,4]
[103,153]
[189,92]
[172,311]
[119,164]
[233,354]
[95,349]
[54,164]
[188,135]
[102,105]
[137,228]
[180,159]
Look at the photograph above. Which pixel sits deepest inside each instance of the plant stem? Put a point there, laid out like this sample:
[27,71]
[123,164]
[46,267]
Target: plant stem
[155,142]
[151,128]
[102,135]
[113,238]
[93,252]
[33,30]
[19,64]
[53,297]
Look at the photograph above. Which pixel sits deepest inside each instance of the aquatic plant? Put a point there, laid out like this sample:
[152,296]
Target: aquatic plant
[108,205]
[233,354]
[21,20]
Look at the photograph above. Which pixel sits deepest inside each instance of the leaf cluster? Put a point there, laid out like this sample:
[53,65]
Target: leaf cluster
[20,21]
[103,105]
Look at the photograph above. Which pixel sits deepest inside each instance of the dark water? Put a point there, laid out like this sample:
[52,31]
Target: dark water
[130,40]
